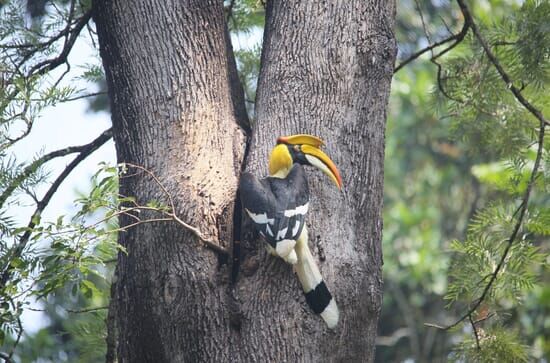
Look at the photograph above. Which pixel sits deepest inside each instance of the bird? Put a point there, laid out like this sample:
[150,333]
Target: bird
[277,206]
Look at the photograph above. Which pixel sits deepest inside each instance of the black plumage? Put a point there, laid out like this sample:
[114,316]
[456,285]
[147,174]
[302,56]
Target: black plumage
[283,201]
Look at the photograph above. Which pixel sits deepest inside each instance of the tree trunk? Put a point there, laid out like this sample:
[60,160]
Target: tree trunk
[326,70]
[169,83]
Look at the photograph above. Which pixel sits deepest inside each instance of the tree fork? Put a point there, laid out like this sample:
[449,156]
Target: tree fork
[326,70]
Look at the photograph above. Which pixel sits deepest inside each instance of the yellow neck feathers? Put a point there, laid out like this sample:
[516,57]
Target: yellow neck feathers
[280,161]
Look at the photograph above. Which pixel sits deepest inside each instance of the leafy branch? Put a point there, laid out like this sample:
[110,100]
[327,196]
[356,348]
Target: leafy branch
[521,210]
[18,248]
[19,80]
[33,167]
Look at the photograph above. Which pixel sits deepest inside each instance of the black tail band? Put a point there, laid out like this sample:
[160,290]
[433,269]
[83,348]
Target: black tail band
[318,298]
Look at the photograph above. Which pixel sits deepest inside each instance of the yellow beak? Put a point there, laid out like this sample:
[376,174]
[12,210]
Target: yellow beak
[320,160]
[301,139]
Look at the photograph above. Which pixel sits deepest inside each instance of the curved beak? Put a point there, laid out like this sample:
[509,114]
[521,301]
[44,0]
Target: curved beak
[301,139]
[316,157]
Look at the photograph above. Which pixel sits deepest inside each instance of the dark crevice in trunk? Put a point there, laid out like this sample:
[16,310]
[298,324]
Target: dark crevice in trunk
[238,221]
[236,250]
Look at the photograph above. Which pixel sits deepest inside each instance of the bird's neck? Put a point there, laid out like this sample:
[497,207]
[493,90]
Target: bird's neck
[280,161]
[281,173]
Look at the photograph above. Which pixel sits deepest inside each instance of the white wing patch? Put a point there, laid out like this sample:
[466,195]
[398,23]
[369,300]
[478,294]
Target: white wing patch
[281,234]
[296,228]
[302,209]
[260,218]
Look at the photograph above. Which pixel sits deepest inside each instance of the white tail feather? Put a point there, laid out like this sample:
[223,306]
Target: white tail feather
[310,277]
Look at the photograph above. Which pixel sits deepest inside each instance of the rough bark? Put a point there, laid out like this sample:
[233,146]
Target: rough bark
[326,70]
[173,113]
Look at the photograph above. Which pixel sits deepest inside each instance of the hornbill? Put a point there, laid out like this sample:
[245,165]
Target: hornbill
[278,205]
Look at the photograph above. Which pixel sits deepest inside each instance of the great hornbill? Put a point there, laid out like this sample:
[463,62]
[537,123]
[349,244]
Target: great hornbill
[278,205]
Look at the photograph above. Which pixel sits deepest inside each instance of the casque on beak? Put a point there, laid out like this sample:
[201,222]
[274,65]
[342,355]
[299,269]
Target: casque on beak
[309,147]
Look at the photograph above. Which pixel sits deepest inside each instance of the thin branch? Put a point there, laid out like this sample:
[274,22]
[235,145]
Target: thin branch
[50,64]
[391,340]
[87,310]
[17,250]
[31,168]
[71,34]
[72,311]
[457,38]
[505,77]
[472,323]
[210,243]
[424,27]
[522,208]
[6,358]
[94,94]
[19,326]
[19,334]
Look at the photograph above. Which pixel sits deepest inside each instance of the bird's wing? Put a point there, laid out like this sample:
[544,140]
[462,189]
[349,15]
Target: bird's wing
[259,203]
[292,194]
[276,206]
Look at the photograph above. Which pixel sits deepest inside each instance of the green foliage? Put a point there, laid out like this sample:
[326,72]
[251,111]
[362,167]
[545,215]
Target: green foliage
[248,65]
[495,345]
[245,15]
[459,156]
[466,152]
[477,258]
[500,260]
[66,257]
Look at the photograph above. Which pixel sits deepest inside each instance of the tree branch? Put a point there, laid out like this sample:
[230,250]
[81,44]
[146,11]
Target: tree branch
[6,358]
[17,250]
[476,335]
[522,209]
[88,310]
[71,37]
[210,243]
[31,168]
[457,38]
[505,77]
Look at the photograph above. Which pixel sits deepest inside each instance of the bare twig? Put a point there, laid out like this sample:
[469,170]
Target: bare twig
[210,243]
[457,38]
[71,37]
[72,311]
[391,340]
[94,94]
[424,27]
[472,323]
[87,310]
